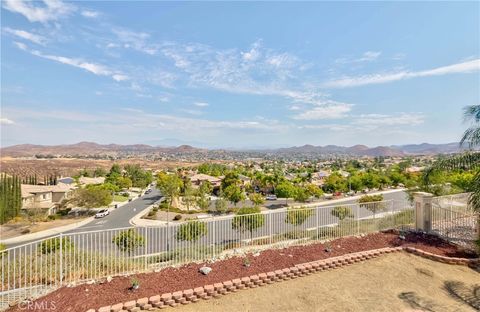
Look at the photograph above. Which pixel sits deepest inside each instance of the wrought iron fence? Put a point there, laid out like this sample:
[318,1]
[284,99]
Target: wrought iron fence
[454,219]
[33,269]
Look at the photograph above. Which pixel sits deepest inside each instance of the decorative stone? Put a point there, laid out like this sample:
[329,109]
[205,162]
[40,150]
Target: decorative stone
[205,270]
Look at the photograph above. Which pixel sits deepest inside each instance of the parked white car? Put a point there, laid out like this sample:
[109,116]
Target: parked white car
[102,213]
[271,197]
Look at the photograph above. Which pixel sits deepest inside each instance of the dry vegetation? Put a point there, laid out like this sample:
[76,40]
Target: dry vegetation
[69,167]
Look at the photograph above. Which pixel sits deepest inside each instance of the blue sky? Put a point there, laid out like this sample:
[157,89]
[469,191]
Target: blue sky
[250,74]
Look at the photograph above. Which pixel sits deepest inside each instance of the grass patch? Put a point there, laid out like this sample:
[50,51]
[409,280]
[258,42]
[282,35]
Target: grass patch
[120,198]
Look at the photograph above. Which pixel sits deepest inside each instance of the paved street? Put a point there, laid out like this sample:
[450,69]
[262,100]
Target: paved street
[121,216]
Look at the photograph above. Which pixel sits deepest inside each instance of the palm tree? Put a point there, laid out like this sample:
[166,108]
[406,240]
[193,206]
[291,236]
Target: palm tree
[467,161]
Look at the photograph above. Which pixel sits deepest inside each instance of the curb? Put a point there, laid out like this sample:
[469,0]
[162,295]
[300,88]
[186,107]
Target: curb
[216,290]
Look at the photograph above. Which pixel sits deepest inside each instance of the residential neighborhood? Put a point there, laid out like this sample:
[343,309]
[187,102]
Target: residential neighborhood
[239,156]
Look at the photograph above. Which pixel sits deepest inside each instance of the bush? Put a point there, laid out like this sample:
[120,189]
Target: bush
[53,217]
[248,219]
[128,240]
[2,247]
[177,217]
[342,212]
[297,216]
[53,244]
[191,231]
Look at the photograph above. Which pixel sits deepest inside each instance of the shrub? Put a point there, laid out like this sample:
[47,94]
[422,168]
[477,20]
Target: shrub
[53,217]
[128,240]
[177,217]
[191,231]
[248,219]
[53,244]
[372,203]
[297,216]
[2,247]
[342,212]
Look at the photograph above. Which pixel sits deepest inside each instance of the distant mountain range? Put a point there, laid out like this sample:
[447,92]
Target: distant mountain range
[90,148]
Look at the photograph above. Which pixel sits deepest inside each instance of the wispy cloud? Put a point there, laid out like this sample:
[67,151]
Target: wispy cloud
[464,67]
[94,68]
[135,40]
[6,121]
[366,57]
[201,104]
[25,35]
[328,111]
[390,120]
[90,13]
[51,10]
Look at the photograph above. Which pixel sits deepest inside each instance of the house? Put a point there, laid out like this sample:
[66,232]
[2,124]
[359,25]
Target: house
[198,178]
[44,197]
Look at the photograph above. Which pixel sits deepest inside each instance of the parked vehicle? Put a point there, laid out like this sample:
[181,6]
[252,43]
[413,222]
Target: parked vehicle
[148,191]
[102,213]
[271,197]
[328,196]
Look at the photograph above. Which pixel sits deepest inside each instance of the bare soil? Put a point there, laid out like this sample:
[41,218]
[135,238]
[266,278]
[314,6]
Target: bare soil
[395,282]
[84,297]
[9,230]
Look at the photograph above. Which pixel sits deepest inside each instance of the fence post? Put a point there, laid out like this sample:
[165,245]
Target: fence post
[423,211]
[61,259]
[213,232]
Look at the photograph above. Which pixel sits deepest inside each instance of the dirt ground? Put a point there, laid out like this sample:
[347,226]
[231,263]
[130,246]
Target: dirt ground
[15,229]
[395,282]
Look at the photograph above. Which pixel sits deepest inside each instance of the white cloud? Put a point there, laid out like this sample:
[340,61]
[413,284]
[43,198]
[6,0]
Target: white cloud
[136,41]
[97,69]
[6,121]
[390,120]
[254,53]
[26,35]
[201,104]
[329,111]
[90,14]
[120,77]
[52,10]
[366,57]
[464,67]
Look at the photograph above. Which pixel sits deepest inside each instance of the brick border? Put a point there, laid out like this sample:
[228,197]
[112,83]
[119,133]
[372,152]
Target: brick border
[218,289]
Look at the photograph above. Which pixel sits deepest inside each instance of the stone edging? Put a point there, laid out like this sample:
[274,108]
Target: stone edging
[218,289]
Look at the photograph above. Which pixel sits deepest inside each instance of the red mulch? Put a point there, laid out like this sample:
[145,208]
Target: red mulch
[84,297]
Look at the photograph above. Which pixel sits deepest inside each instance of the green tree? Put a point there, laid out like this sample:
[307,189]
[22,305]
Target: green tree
[297,216]
[342,212]
[301,194]
[99,172]
[234,194]
[257,199]
[221,205]
[93,196]
[231,178]
[10,197]
[191,231]
[335,183]
[170,185]
[373,203]
[285,190]
[188,194]
[128,240]
[124,183]
[248,219]
[313,190]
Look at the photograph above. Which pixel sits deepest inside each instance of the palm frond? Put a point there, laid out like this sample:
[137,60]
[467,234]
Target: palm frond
[466,161]
[472,137]
[472,113]
[474,198]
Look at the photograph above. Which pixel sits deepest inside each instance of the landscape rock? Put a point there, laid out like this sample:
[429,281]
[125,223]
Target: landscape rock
[205,270]
[109,279]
